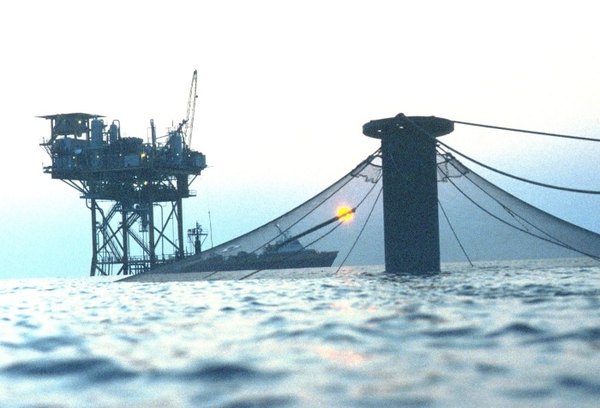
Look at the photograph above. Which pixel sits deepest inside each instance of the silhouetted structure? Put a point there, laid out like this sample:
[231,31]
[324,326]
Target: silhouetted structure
[135,177]
[410,201]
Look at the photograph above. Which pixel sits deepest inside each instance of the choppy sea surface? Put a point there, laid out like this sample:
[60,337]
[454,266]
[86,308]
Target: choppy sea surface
[523,333]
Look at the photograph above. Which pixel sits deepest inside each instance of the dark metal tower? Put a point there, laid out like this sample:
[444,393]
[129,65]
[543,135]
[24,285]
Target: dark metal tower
[125,182]
[410,200]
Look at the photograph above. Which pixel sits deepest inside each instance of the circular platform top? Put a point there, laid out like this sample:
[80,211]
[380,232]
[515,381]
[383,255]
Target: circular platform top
[405,125]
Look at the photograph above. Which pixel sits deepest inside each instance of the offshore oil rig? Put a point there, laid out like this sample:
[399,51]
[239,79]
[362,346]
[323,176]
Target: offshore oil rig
[127,182]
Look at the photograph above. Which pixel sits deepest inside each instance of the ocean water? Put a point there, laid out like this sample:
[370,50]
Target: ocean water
[500,334]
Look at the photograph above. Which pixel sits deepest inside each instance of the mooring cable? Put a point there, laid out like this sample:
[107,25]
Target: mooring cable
[324,224]
[361,230]
[534,132]
[351,176]
[517,217]
[454,233]
[537,183]
[552,241]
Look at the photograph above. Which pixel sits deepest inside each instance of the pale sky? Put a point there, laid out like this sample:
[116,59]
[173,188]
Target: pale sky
[284,89]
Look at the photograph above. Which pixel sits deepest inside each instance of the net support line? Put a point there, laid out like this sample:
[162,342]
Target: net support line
[340,222]
[462,248]
[537,183]
[572,190]
[551,240]
[362,164]
[514,215]
[534,132]
[361,230]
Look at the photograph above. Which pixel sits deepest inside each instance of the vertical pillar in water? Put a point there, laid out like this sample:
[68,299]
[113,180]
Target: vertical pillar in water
[151,244]
[94,265]
[182,191]
[125,227]
[410,204]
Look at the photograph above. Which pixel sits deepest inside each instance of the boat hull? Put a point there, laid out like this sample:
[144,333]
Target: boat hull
[283,260]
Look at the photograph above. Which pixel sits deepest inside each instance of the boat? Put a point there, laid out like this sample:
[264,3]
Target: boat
[286,253]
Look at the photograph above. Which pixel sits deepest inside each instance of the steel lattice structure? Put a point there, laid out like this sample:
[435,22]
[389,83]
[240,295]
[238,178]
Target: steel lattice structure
[125,182]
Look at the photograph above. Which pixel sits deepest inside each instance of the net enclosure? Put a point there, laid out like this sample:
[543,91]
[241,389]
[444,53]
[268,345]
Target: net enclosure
[342,225]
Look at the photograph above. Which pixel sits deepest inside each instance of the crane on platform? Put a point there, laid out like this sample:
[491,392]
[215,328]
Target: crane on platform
[188,123]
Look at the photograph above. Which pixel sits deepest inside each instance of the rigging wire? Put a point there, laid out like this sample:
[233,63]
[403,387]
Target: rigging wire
[354,173]
[440,143]
[553,240]
[588,139]
[454,233]
[336,225]
[537,183]
[518,218]
[361,230]
[263,245]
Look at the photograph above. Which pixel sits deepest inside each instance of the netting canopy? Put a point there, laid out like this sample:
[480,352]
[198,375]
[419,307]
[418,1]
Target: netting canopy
[491,224]
[323,231]
[343,225]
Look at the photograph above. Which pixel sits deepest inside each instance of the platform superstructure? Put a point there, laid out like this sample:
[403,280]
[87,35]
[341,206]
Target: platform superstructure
[133,188]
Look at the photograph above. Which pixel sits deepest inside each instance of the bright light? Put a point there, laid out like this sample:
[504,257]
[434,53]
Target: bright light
[344,213]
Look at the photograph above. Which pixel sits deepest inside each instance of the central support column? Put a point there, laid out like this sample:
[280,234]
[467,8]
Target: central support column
[410,203]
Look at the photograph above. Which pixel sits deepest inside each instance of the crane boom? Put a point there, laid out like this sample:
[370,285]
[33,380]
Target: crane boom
[191,110]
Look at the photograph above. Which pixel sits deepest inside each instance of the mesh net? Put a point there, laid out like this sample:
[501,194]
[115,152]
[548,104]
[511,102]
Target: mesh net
[320,232]
[343,225]
[493,224]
